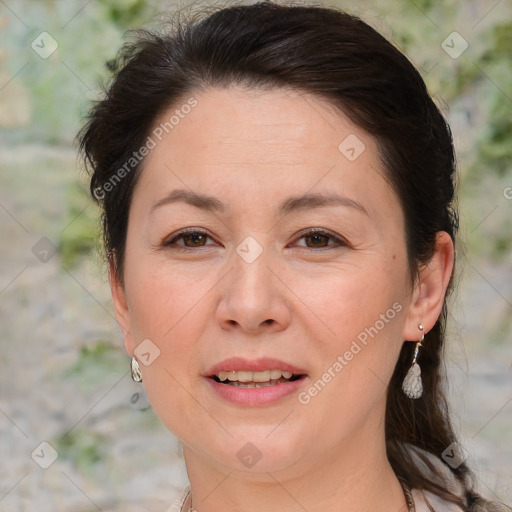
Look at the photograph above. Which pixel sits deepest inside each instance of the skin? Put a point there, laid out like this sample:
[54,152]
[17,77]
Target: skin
[302,300]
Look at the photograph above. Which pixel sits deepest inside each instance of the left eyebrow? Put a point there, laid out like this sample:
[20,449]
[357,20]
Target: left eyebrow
[319,200]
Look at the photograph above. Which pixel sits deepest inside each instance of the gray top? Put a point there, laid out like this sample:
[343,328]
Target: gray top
[421,498]
[176,506]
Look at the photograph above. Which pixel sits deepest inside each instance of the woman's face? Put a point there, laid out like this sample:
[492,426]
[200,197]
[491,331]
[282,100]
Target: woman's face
[254,283]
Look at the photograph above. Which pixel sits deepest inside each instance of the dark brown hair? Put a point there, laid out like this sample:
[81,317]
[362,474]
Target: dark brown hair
[335,56]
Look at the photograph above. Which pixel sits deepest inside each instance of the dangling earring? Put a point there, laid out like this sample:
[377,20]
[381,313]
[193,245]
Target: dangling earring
[412,385]
[136,375]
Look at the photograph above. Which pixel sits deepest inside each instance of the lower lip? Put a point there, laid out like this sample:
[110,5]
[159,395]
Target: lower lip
[255,396]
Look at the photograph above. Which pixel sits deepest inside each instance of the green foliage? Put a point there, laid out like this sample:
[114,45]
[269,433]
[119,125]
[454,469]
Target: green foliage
[86,449]
[501,42]
[80,236]
[97,363]
[126,13]
[495,147]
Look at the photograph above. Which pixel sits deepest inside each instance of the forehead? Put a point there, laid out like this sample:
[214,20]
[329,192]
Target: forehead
[267,141]
[281,124]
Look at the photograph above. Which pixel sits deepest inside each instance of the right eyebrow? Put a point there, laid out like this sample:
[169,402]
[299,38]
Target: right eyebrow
[202,201]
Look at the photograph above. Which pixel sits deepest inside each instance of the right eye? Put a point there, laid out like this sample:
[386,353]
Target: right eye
[191,238]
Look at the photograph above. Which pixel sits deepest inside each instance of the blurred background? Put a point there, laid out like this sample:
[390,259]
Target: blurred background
[76,434]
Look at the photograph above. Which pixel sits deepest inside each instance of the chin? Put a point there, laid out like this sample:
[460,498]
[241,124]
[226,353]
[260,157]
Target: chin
[247,449]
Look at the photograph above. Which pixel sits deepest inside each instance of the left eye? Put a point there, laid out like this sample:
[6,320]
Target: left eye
[319,239]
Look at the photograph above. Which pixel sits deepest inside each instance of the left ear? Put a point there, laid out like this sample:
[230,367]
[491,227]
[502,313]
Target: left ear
[430,289]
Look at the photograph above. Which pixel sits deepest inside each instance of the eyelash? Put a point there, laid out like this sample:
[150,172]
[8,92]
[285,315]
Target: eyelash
[340,242]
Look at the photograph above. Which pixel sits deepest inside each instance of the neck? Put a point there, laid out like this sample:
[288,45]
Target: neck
[355,478]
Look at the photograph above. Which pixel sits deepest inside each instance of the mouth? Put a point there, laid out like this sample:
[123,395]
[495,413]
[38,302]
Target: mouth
[257,382]
[260,379]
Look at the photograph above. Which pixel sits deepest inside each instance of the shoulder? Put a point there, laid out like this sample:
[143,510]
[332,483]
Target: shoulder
[440,473]
[180,500]
[426,501]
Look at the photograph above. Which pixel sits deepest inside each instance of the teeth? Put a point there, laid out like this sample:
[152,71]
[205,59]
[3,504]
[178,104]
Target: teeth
[257,384]
[245,376]
[275,374]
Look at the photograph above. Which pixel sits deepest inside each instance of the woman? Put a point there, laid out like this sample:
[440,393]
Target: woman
[278,197]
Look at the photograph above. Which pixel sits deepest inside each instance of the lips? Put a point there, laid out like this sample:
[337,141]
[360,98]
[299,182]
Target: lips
[255,396]
[256,365]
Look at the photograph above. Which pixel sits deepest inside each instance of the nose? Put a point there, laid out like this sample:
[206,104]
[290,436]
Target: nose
[254,298]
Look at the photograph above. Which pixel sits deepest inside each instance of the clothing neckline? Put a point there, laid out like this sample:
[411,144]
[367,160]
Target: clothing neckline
[185,493]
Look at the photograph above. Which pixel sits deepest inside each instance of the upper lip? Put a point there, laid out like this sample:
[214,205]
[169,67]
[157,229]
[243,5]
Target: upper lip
[255,365]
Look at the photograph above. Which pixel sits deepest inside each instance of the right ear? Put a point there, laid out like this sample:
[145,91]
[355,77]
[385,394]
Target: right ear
[121,307]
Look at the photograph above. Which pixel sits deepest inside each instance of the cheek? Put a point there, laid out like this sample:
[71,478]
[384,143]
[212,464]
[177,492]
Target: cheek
[347,302]
[170,311]
[165,308]
[357,329]
[160,299]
